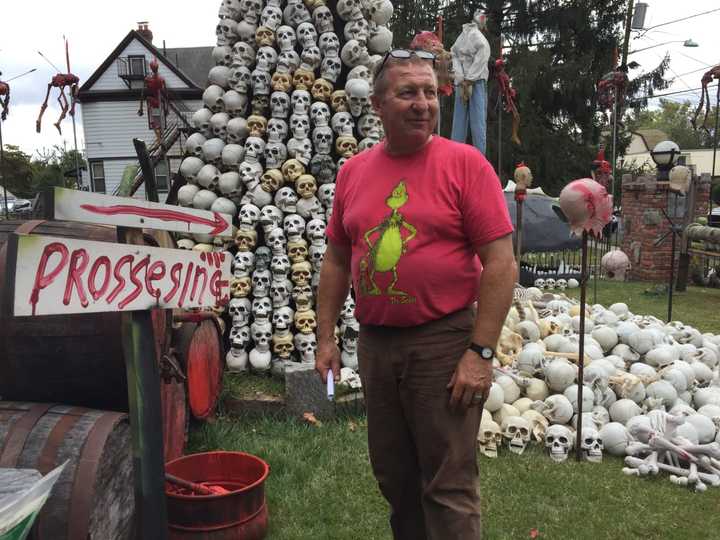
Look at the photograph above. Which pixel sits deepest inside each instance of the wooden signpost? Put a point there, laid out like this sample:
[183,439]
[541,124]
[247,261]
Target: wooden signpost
[52,275]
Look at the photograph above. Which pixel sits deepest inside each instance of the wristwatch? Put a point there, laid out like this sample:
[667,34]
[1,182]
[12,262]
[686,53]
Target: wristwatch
[486,353]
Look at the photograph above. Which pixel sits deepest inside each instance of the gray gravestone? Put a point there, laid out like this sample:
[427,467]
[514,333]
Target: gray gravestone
[305,392]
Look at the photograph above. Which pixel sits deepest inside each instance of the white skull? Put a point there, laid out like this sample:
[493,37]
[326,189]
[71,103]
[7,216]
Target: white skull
[277,128]
[280,291]
[270,218]
[279,104]
[190,167]
[306,345]
[357,91]
[246,31]
[262,257]
[239,311]
[218,125]
[249,216]
[282,318]
[226,32]
[359,29]
[561,284]
[254,149]
[320,114]
[222,55]
[235,103]
[294,226]
[276,241]
[316,253]
[342,123]
[300,149]
[300,101]
[381,11]
[239,337]
[306,35]
[323,139]
[204,199]
[243,54]
[296,13]
[367,142]
[252,9]
[232,156]
[326,194]
[285,37]
[369,125]
[380,40]
[275,154]
[300,124]
[489,438]
[330,68]
[280,266]
[539,283]
[349,10]
[237,130]
[361,72]
[323,19]
[329,44]
[249,175]
[212,151]
[193,145]
[186,194]
[591,444]
[286,199]
[243,263]
[261,308]
[208,177]
[229,9]
[261,334]
[261,282]
[558,442]
[212,98]
[219,75]
[271,17]
[266,58]
[201,120]
[309,207]
[310,58]
[260,79]
[516,432]
[354,53]
[288,61]
[239,79]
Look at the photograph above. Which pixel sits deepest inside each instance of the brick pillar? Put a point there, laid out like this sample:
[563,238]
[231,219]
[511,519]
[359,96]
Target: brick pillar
[643,199]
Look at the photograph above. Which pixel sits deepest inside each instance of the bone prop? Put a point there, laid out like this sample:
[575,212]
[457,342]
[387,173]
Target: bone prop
[634,463]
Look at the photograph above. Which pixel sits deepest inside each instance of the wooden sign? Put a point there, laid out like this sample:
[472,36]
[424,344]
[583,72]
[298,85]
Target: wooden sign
[73,205]
[50,275]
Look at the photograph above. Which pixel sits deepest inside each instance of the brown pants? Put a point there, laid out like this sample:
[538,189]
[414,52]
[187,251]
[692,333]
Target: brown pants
[422,452]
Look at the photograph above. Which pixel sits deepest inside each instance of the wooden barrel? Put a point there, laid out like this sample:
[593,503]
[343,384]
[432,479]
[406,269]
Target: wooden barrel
[93,498]
[200,350]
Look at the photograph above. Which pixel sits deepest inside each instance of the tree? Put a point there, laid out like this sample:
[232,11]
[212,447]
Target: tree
[55,167]
[17,172]
[674,119]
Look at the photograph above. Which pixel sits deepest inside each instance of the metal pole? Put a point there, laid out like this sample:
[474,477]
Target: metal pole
[518,228]
[581,344]
[626,39]
[614,147]
[715,145]
[78,180]
[2,173]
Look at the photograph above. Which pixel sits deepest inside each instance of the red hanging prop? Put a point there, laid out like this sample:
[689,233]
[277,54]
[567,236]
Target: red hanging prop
[508,95]
[707,78]
[61,81]
[155,94]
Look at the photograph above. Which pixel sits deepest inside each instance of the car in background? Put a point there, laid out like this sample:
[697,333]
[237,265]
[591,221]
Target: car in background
[15,205]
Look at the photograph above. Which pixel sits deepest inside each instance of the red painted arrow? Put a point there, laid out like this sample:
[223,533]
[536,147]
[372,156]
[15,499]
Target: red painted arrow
[218,223]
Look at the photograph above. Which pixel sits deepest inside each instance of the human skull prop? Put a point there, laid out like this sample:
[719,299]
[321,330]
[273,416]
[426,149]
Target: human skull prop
[349,10]
[193,145]
[558,442]
[245,239]
[380,40]
[249,216]
[299,121]
[297,250]
[516,432]
[254,149]
[300,149]
[330,68]
[243,263]
[359,30]
[286,38]
[201,120]
[186,194]
[329,45]
[591,444]
[354,53]
[222,55]
[280,266]
[586,205]
[229,9]
[288,61]
[294,226]
[240,79]
[357,91]
[226,32]
[342,124]
[323,19]
[235,103]
[190,167]
[281,82]
[295,13]
[310,58]
[239,311]
[240,287]
[265,37]
[322,138]
[323,168]
[303,79]
[260,80]
[280,291]
[615,264]
[262,257]
[243,54]
[251,10]
[292,169]
[346,146]
[270,218]
[257,125]
[370,125]
[237,131]
[266,58]
[305,321]
[322,90]
[208,177]
[271,17]
[320,114]
[277,129]
[279,105]
[381,11]
[301,273]
[306,35]
[316,254]
[219,75]
[489,438]
[261,282]
[302,295]
[282,318]
[306,345]
[261,309]
[272,179]
[212,98]
[275,156]
[276,241]
[305,186]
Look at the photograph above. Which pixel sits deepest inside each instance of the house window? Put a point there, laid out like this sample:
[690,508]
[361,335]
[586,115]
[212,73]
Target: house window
[161,176]
[97,171]
[137,65]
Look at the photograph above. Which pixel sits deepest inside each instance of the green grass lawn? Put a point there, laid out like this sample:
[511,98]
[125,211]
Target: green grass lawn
[321,486]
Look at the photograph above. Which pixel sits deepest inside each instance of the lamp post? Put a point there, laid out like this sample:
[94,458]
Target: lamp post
[665,156]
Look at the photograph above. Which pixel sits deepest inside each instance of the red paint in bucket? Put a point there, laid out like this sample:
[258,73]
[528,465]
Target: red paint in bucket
[240,514]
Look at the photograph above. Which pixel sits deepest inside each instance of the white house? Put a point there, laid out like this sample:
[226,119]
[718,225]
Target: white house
[110,99]
[644,140]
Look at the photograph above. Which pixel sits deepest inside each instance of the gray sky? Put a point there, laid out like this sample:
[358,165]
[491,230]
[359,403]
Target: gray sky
[95,28]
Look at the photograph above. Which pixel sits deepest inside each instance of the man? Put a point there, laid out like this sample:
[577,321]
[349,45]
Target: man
[411,217]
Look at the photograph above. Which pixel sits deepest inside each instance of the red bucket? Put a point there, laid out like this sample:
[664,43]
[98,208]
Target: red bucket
[240,514]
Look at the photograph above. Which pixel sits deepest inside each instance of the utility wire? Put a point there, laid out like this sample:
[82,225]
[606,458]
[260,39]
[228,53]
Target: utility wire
[645,30]
[638,98]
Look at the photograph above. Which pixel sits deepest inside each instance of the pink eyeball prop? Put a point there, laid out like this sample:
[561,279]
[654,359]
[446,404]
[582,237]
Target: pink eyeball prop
[587,206]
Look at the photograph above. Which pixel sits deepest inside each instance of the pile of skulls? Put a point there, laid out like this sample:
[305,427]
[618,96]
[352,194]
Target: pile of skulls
[552,283]
[651,390]
[288,102]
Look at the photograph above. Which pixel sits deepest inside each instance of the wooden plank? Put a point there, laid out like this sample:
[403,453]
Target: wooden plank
[50,275]
[85,207]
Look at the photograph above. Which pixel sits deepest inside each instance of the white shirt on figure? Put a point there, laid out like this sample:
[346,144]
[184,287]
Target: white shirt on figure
[470,54]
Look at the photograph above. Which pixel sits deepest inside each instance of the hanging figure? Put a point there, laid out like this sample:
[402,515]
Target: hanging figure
[155,93]
[470,55]
[508,95]
[61,80]
[4,99]
[707,78]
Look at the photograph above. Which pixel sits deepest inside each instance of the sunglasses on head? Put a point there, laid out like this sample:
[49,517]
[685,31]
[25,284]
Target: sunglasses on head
[404,54]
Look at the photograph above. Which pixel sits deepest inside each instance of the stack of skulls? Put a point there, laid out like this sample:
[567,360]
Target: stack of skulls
[288,103]
[651,390]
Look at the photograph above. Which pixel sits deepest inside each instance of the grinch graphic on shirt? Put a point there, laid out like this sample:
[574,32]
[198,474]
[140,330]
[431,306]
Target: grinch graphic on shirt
[386,246]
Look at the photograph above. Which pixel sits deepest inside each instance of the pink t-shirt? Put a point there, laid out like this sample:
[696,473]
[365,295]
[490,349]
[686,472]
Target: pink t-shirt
[413,224]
